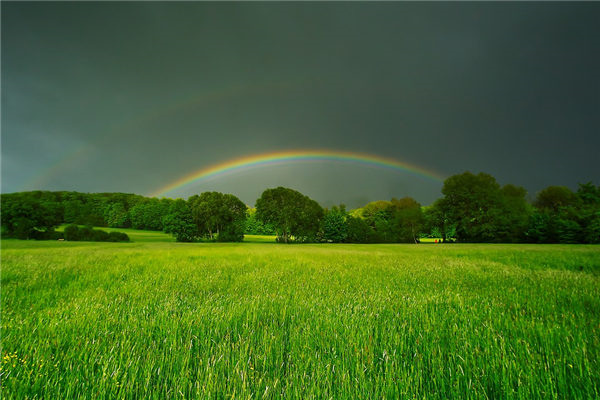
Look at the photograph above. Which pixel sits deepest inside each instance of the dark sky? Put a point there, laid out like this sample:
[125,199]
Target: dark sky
[131,96]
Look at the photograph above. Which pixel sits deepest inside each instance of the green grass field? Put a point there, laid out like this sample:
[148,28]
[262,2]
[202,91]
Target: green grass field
[158,319]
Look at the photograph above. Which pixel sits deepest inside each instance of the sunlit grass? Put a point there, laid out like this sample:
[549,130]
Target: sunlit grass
[260,239]
[135,235]
[153,319]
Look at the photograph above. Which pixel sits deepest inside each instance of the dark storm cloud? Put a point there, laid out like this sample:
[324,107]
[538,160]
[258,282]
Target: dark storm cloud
[131,96]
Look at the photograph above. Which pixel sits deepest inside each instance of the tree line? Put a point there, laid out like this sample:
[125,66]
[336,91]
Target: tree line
[474,208]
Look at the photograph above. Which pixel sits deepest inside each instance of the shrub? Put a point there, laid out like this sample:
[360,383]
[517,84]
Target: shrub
[72,233]
[86,233]
[118,237]
[99,235]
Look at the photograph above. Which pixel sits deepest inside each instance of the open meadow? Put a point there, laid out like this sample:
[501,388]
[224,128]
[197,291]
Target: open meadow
[159,319]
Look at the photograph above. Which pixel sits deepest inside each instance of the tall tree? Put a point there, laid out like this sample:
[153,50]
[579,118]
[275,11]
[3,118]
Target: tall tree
[514,219]
[589,216]
[256,227]
[219,216]
[554,197]
[116,216]
[26,217]
[557,217]
[291,213]
[408,219]
[335,228]
[437,221]
[474,204]
[180,223]
[358,231]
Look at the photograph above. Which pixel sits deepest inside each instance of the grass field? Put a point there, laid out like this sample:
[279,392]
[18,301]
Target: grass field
[158,319]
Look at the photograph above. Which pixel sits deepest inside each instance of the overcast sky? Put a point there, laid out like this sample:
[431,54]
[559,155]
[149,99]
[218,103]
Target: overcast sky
[128,97]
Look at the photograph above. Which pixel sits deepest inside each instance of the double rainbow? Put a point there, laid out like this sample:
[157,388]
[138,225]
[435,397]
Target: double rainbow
[280,157]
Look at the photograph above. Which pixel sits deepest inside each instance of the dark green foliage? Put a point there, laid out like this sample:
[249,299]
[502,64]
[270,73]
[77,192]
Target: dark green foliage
[374,211]
[395,221]
[552,221]
[218,216]
[335,227]
[554,198]
[589,213]
[292,214]
[378,216]
[514,219]
[562,216]
[474,204]
[99,235]
[480,210]
[29,215]
[85,233]
[117,237]
[591,229]
[233,231]
[358,231]
[46,235]
[256,227]
[407,220]
[148,214]
[474,209]
[72,233]
[383,228]
[437,221]
[83,208]
[97,209]
[179,222]
[117,216]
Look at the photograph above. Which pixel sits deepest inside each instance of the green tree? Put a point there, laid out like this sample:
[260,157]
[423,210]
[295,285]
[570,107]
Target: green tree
[378,216]
[558,217]
[256,227]
[473,203]
[219,216]
[147,214]
[180,223]
[374,211]
[589,215]
[358,230]
[407,219]
[86,233]
[437,221]
[335,228]
[116,216]
[26,216]
[71,233]
[514,219]
[292,214]
[553,198]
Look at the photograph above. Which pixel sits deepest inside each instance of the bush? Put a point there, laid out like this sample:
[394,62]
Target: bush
[86,233]
[46,235]
[53,235]
[334,225]
[358,230]
[99,236]
[72,233]
[118,237]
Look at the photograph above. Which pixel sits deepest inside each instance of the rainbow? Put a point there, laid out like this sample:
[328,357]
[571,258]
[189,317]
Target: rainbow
[279,157]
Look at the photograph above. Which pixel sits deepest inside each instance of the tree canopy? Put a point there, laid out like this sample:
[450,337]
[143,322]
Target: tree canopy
[218,216]
[291,214]
[474,208]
